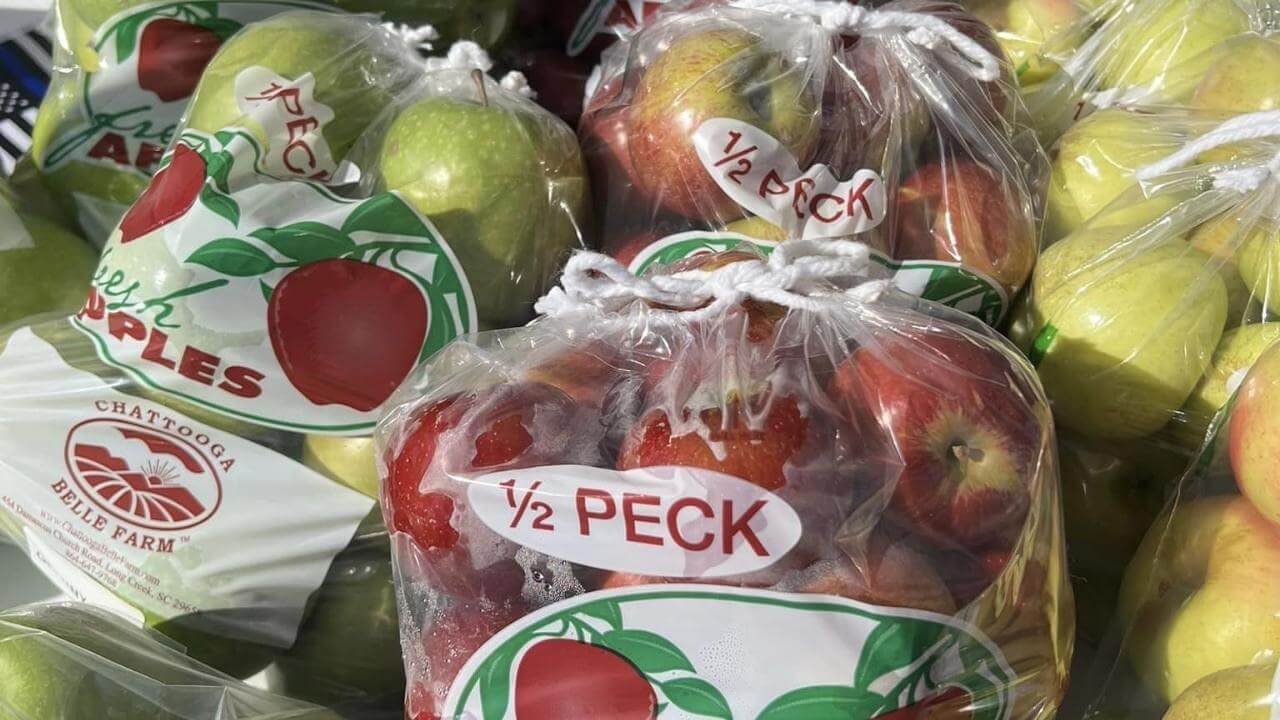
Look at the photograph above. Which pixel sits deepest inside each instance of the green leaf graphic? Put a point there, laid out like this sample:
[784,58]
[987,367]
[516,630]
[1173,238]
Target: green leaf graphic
[308,241]
[889,647]
[127,35]
[607,611]
[222,27]
[648,651]
[495,685]
[232,256]
[224,137]
[221,204]
[823,702]
[697,696]
[266,290]
[385,213]
[218,167]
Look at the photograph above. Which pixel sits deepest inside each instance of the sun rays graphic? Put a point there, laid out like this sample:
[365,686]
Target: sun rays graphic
[160,472]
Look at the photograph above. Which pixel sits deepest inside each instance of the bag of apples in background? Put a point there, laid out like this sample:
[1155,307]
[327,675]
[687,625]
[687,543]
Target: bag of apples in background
[728,488]
[191,449]
[1197,621]
[1141,321]
[751,120]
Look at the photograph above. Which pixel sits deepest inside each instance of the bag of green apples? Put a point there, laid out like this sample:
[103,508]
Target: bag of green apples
[125,71]
[1210,54]
[1197,635]
[765,121]
[728,488]
[314,230]
[69,661]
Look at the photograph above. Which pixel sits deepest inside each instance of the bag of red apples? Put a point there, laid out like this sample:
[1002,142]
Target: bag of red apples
[192,449]
[728,489]
[719,123]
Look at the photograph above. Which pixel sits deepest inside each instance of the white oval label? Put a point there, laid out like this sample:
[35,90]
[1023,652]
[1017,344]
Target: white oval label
[662,521]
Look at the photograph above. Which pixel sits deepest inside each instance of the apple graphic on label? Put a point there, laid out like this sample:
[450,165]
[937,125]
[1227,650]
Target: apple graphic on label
[502,180]
[561,678]
[171,56]
[720,73]
[43,266]
[356,67]
[168,196]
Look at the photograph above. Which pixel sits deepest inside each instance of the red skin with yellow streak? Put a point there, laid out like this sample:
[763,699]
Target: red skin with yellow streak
[1254,440]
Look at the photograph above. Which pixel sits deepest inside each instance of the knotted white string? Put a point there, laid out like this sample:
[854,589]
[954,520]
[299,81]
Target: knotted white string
[923,29]
[798,275]
[419,36]
[467,55]
[1253,126]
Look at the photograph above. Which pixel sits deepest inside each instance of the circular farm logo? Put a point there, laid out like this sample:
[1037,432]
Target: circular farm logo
[143,476]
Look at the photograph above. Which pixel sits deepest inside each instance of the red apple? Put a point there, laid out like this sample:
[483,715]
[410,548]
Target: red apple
[959,211]
[957,413]
[451,636]
[1254,435]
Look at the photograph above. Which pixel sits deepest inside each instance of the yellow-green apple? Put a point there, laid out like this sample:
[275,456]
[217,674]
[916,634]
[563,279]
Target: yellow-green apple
[1167,40]
[1120,340]
[354,66]
[1259,262]
[756,227]
[1238,693]
[1223,239]
[1201,593]
[960,211]
[1027,25]
[1254,434]
[1245,78]
[348,460]
[1096,162]
[718,73]
[1239,349]
[502,179]
[964,426]
[43,266]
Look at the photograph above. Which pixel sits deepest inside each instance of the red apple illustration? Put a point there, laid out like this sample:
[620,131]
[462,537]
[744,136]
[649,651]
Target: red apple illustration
[560,679]
[346,332]
[170,195]
[172,55]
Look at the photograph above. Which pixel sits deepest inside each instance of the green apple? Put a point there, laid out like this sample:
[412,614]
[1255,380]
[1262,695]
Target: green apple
[1239,349]
[1167,40]
[1253,434]
[1201,594]
[501,179]
[348,460]
[1121,341]
[357,69]
[348,650]
[1028,24]
[1259,262]
[1238,693]
[43,266]
[1245,78]
[756,227]
[1096,162]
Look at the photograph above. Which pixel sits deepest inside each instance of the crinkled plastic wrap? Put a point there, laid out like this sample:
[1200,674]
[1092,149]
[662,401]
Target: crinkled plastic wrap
[43,265]
[192,448]
[747,495]
[1035,34]
[1141,321]
[1196,634]
[69,661]
[900,127]
[1208,54]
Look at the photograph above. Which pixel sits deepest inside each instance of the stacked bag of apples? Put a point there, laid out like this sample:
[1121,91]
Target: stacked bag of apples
[725,122]
[331,210]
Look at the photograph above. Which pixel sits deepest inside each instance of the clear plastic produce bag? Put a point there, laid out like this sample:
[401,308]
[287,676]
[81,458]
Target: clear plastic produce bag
[900,127]
[192,448]
[1197,634]
[43,265]
[728,489]
[69,661]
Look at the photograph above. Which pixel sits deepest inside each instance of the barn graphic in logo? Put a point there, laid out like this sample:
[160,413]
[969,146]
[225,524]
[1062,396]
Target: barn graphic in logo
[143,476]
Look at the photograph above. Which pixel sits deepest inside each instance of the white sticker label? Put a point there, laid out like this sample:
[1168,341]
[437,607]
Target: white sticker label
[760,174]
[165,514]
[662,521]
[292,119]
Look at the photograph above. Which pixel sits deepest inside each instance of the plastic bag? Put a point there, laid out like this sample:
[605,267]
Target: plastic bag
[68,661]
[767,121]
[728,489]
[1209,54]
[1033,33]
[187,449]
[43,266]
[1197,634]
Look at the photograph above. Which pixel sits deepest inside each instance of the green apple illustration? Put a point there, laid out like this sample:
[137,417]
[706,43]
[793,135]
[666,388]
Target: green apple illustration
[1168,40]
[348,460]
[1121,341]
[1239,349]
[357,68]
[43,266]
[502,179]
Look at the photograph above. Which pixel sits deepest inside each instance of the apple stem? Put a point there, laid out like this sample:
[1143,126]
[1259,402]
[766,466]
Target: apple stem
[964,452]
[478,76]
